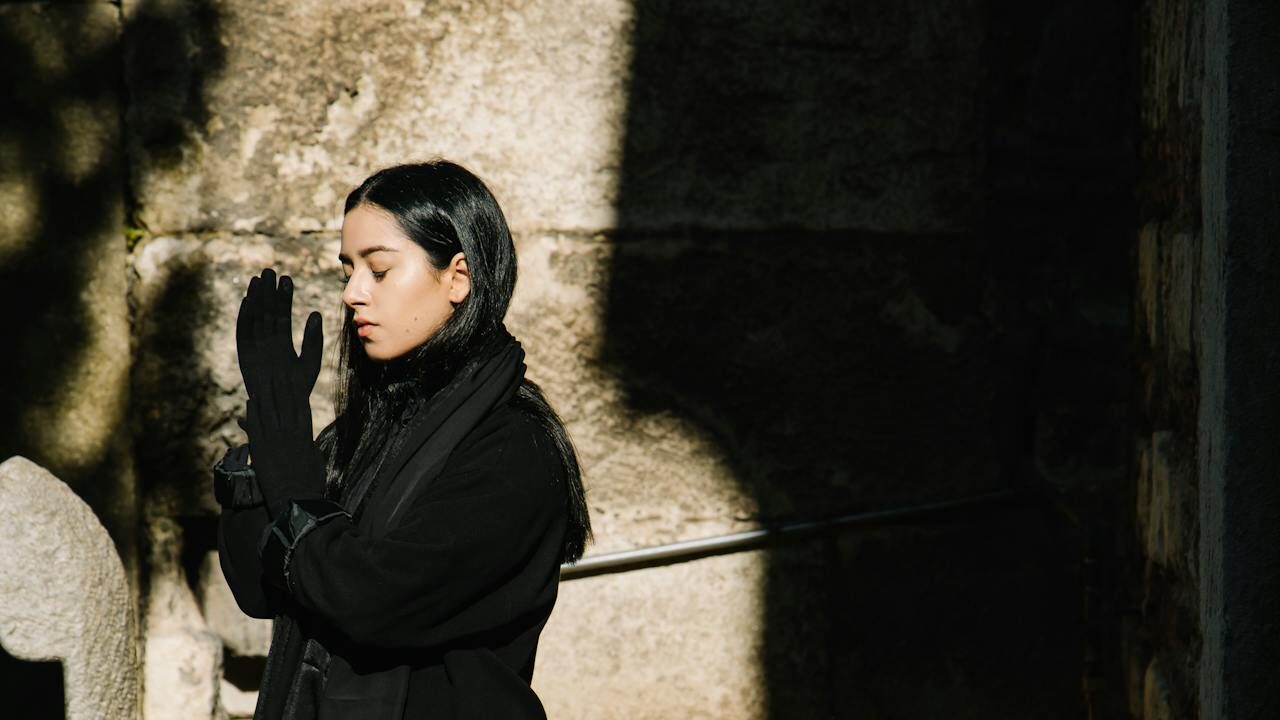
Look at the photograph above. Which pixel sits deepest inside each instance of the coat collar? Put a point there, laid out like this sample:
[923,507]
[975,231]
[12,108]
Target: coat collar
[435,427]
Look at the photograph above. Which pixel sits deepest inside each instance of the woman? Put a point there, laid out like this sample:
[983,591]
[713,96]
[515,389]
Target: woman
[410,554]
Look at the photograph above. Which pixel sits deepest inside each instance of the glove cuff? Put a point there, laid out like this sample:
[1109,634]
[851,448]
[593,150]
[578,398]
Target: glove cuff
[281,537]
[235,485]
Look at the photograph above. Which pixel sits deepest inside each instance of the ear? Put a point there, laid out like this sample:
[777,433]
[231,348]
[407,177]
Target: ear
[460,279]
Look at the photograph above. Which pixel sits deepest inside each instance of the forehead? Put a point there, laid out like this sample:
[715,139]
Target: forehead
[366,227]
[369,226]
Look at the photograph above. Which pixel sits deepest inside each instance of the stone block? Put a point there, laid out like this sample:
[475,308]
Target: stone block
[1157,701]
[582,116]
[183,660]
[63,593]
[65,375]
[182,675]
[241,634]
[678,641]
[1166,514]
[311,98]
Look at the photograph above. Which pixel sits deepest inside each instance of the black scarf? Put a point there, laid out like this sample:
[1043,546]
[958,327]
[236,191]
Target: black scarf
[435,430]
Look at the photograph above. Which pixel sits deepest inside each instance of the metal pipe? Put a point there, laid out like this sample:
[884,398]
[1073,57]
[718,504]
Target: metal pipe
[773,533]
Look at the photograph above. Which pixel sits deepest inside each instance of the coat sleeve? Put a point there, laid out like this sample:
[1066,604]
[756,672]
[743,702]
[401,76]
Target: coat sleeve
[477,550]
[241,524]
[238,533]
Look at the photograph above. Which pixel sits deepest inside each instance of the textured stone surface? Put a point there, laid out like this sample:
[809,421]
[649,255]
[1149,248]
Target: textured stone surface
[817,114]
[1238,318]
[677,641]
[306,99]
[240,634]
[63,593]
[183,660]
[721,105]
[64,376]
[1162,646]
[1157,701]
[1166,511]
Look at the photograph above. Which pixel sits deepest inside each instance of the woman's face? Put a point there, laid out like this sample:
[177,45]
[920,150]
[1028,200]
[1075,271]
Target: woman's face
[398,298]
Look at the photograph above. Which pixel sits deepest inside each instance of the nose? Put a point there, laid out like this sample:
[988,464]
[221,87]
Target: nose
[355,294]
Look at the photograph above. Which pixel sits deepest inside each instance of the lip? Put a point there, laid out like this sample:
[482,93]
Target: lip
[362,326]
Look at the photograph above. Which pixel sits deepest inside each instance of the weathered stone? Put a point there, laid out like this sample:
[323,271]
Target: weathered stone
[573,129]
[183,660]
[63,593]
[817,114]
[237,703]
[1156,699]
[692,630]
[182,675]
[64,376]
[1238,323]
[241,634]
[1166,508]
[1164,640]
[311,98]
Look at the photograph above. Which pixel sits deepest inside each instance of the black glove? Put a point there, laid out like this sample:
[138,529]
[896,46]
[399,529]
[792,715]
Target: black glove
[286,460]
[264,336]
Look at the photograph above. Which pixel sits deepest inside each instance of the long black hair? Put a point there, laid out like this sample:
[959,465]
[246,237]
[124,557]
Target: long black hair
[446,209]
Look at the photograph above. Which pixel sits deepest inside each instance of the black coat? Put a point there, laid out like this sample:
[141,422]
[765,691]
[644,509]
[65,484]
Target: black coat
[438,615]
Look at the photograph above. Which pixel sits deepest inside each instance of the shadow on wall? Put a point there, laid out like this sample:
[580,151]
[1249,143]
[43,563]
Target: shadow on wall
[65,175]
[879,250]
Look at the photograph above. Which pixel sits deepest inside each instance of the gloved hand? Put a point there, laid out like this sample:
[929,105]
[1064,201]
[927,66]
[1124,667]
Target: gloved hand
[286,460]
[264,336]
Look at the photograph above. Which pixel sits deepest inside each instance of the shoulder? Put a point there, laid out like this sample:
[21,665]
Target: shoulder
[510,443]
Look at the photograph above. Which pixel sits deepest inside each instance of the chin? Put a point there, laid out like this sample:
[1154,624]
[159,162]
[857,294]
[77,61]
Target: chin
[382,357]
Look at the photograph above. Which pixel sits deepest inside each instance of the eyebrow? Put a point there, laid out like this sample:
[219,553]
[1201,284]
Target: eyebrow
[367,252]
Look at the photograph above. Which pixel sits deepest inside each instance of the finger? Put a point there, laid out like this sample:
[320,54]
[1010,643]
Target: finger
[312,349]
[284,316]
[258,332]
[267,308]
[264,333]
[244,318]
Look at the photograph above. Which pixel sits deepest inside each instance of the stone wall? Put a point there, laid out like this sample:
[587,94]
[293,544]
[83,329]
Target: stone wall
[1202,642]
[63,275]
[62,261]
[1163,651]
[776,261]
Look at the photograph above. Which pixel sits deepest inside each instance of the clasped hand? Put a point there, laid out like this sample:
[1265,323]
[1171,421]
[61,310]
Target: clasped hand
[286,461]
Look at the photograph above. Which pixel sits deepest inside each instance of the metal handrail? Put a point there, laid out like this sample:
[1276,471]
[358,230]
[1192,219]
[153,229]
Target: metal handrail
[773,533]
